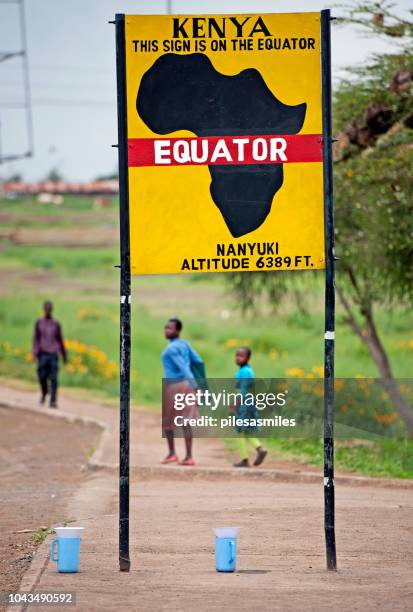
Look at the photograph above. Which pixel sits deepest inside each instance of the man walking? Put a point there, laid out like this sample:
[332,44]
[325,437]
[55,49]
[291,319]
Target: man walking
[179,362]
[47,344]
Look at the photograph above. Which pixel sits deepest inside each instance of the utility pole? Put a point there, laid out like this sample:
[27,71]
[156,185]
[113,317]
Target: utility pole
[26,105]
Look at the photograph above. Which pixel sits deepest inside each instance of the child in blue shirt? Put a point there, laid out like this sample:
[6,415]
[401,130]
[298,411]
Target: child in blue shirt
[244,380]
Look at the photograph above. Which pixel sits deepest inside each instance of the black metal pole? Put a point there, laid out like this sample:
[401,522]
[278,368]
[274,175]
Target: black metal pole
[329,503]
[125,298]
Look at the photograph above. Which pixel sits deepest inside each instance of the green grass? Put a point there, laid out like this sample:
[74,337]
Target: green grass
[41,534]
[27,213]
[84,286]
[278,344]
[392,458]
[93,261]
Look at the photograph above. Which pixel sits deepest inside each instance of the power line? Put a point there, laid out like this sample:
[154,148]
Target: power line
[6,55]
[59,103]
[60,67]
[54,86]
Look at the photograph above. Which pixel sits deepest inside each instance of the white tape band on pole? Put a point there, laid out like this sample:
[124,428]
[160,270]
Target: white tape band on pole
[329,335]
[123,299]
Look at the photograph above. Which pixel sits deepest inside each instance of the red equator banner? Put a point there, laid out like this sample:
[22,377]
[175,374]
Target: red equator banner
[225,150]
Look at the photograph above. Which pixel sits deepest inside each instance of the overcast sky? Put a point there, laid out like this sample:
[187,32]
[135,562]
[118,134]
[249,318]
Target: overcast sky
[72,74]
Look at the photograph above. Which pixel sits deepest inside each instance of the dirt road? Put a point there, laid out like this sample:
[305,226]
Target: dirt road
[36,482]
[281,557]
[281,563]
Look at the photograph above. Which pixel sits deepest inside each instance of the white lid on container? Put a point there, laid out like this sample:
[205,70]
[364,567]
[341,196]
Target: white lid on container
[226,532]
[69,532]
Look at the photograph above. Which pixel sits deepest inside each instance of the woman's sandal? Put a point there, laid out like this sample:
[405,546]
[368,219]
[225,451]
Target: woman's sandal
[187,462]
[170,459]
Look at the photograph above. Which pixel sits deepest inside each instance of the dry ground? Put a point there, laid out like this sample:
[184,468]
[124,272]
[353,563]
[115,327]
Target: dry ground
[36,481]
[281,563]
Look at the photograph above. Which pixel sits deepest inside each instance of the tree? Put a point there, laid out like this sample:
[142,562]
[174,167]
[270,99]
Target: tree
[15,177]
[373,186]
[111,176]
[54,175]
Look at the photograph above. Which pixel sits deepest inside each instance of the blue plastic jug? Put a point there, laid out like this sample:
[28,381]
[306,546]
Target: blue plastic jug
[68,549]
[226,548]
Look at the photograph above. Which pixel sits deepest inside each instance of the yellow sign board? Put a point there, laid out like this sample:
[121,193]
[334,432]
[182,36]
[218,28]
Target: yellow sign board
[225,162]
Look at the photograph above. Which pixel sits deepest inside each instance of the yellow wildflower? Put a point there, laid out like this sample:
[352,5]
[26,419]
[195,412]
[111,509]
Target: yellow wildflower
[319,370]
[386,419]
[295,372]
[319,390]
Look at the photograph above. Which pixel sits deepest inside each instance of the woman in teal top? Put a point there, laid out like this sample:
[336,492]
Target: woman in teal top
[244,380]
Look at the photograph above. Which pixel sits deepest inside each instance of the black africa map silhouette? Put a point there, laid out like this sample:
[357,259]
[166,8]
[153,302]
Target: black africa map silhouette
[185,92]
